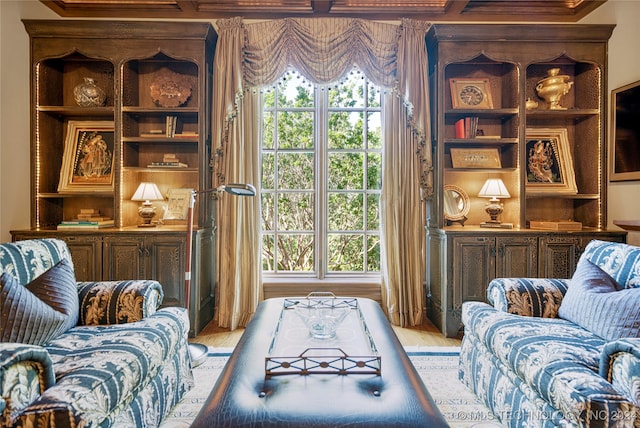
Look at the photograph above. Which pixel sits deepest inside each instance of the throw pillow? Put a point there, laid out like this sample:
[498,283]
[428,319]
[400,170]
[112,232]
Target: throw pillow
[23,317]
[596,302]
[57,288]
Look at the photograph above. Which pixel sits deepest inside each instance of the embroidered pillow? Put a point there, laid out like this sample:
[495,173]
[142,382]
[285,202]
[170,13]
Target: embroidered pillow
[596,302]
[24,318]
[57,288]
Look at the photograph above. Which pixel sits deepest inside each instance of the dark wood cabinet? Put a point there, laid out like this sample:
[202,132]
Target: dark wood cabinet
[157,84]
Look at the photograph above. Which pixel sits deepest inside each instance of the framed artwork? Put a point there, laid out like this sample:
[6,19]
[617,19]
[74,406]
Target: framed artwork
[549,162]
[475,158]
[87,162]
[470,93]
[178,201]
[624,153]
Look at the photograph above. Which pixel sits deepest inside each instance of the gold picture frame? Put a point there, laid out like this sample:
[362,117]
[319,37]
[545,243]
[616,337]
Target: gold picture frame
[178,201]
[549,164]
[470,93]
[475,158]
[87,161]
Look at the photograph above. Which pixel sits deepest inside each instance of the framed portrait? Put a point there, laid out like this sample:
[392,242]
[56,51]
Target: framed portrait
[470,93]
[549,162]
[475,158]
[178,201]
[624,153]
[87,161]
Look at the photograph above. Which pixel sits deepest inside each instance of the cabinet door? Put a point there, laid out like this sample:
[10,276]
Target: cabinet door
[558,256]
[165,263]
[473,265]
[123,258]
[516,257]
[86,253]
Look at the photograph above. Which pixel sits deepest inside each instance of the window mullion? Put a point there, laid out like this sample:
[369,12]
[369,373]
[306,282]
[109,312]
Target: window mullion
[321,136]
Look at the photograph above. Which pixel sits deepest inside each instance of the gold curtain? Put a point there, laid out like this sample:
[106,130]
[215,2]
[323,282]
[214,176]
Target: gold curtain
[250,56]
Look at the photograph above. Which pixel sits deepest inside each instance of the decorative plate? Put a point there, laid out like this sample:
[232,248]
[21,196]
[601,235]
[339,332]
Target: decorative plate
[170,89]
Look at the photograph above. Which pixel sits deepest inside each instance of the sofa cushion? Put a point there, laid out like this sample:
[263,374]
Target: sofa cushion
[24,317]
[57,288]
[596,302]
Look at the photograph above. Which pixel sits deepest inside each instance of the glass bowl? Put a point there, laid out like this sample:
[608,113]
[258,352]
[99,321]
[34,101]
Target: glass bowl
[322,321]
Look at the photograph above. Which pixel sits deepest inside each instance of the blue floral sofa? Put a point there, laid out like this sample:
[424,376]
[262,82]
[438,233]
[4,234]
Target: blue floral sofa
[85,354]
[559,352]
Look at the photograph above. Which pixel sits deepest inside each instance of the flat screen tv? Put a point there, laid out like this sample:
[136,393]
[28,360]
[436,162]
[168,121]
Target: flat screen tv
[624,152]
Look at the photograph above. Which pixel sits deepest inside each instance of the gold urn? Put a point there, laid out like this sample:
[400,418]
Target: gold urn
[553,87]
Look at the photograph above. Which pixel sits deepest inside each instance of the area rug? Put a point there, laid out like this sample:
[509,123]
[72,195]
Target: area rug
[438,368]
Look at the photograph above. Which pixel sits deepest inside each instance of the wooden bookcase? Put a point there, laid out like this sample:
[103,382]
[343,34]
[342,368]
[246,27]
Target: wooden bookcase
[506,63]
[152,74]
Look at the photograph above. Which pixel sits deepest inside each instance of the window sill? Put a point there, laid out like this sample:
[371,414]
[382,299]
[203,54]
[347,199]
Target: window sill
[341,286]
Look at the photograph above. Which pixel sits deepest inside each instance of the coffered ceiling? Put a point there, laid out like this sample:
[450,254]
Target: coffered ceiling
[431,10]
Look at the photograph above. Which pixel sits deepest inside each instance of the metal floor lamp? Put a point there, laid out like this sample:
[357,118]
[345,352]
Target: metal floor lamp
[198,351]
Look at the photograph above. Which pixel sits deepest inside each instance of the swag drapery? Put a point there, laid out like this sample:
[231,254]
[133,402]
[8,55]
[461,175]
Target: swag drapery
[251,56]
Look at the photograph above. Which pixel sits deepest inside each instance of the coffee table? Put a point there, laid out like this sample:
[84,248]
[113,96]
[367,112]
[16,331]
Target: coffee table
[245,396]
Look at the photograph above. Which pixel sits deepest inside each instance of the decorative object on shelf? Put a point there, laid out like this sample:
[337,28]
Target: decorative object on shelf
[475,158]
[178,201]
[494,189]
[456,204]
[88,94]
[87,163]
[555,225]
[198,351]
[624,154]
[470,93]
[553,87]
[147,192]
[531,104]
[170,89]
[169,160]
[548,161]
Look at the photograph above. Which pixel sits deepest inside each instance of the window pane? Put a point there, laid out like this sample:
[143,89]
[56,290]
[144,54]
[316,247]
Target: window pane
[374,130]
[268,126]
[346,130]
[268,253]
[346,211]
[345,253]
[295,130]
[346,171]
[295,171]
[373,253]
[295,211]
[373,96]
[374,171]
[348,92]
[268,212]
[373,212]
[295,253]
[268,171]
[294,91]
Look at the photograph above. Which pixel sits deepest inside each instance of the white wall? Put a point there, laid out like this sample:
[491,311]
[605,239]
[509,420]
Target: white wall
[14,112]
[624,67]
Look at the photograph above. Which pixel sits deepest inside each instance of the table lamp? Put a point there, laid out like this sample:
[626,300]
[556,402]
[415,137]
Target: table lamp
[147,192]
[494,189]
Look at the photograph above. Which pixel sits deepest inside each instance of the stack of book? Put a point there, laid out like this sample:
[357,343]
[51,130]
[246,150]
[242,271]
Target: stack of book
[89,218]
[169,160]
[467,127]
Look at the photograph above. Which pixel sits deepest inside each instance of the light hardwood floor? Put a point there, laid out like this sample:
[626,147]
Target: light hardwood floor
[423,335]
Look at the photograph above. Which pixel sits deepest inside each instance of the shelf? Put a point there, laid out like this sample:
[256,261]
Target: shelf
[480,141]
[76,195]
[161,139]
[482,113]
[585,196]
[161,110]
[565,114]
[631,225]
[78,111]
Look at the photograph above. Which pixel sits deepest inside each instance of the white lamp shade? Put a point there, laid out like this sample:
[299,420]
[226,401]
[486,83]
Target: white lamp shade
[494,188]
[147,192]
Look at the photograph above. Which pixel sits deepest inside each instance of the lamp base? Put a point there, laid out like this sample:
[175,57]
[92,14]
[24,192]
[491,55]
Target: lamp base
[198,353]
[496,225]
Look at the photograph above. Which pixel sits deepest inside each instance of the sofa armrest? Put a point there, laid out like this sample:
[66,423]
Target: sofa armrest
[533,297]
[620,365]
[118,302]
[26,371]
